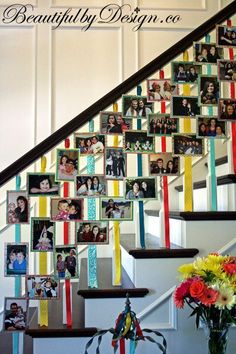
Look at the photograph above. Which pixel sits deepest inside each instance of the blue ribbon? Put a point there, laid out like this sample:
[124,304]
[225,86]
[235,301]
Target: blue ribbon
[132,346]
[92,249]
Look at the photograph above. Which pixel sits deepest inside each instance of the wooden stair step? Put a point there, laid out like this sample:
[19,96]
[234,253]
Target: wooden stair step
[197,215]
[221,180]
[164,253]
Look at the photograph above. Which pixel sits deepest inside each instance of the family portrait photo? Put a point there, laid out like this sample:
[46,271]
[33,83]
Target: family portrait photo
[67,164]
[65,262]
[160,90]
[187,144]
[42,184]
[140,188]
[89,143]
[114,123]
[16,259]
[115,163]
[92,232]
[208,90]
[227,109]
[226,36]
[41,287]
[42,234]
[210,127]
[90,186]
[163,164]
[17,207]
[184,106]
[207,53]
[66,209]
[162,124]
[15,317]
[116,209]
[136,106]
[138,141]
[226,70]
[185,71]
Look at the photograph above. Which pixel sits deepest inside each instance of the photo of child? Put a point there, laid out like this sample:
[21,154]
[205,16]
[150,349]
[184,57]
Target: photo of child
[42,184]
[67,164]
[41,287]
[65,262]
[17,207]
[66,209]
[16,259]
[42,234]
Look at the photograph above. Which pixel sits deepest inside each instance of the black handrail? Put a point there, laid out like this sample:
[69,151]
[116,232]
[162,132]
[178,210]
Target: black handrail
[116,93]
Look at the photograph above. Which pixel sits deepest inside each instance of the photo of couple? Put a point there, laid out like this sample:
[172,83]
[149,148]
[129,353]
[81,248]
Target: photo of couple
[114,123]
[92,232]
[136,106]
[163,164]
[90,186]
[140,188]
[115,164]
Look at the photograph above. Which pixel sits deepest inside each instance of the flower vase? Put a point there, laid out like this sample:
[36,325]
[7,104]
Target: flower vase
[217,338]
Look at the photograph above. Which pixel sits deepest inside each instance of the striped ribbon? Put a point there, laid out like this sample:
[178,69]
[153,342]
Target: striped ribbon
[92,249]
[43,304]
[211,159]
[140,173]
[232,94]
[188,183]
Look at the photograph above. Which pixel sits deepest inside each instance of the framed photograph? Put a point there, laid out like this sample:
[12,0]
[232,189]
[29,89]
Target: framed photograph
[16,259]
[92,232]
[138,142]
[136,106]
[67,164]
[140,188]
[66,209]
[187,145]
[226,70]
[184,106]
[226,36]
[211,127]
[66,262]
[114,123]
[116,209]
[15,316]
[115,164]
[90,186]
[17,207]
[208,90]
[207,53]
[42,234]
[227,109]
[41,287]
[162,125]
[160,90]
[42,184]
[89,143]
[163,164]
[185,71]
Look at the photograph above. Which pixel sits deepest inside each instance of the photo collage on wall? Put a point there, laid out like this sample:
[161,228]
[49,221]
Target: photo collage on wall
[99,147]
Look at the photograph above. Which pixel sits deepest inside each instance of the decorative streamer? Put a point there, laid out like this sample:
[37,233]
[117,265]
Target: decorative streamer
[92,249]
[232,94]
[188,190]
[16,336]
[116,225]
[66,225]
[165,181]
[140,173]
[43,304]
[211,159]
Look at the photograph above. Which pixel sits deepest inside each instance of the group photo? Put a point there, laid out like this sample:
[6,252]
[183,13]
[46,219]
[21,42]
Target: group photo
[136,106]
[114,123]
[162,124]
[41,287]
[187,144]
[210,127]
[163,164]
[89,143]
[92,232]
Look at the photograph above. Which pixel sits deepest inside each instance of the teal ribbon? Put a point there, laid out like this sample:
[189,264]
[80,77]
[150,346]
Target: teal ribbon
[140,173]
[212,166]
[132,346]
[92,249]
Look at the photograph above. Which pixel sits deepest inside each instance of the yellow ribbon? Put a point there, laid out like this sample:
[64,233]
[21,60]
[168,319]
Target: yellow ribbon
[43,304]
[116,226]
[188,191]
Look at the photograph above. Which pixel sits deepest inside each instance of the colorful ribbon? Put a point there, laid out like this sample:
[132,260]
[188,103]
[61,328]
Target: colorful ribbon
[188,190]
[92,249]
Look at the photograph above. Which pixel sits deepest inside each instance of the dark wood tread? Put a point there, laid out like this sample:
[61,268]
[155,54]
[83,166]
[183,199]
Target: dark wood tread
[45,332]
[164,253]
[105,287]
[220,161]
[221,180]
[197,215]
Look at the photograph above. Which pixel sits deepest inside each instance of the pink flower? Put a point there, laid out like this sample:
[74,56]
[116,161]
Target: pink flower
[181,292]
[197,288]
[230,268]
[209,296]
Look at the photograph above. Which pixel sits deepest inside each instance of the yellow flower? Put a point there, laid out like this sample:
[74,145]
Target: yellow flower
[226,298]
[186,270]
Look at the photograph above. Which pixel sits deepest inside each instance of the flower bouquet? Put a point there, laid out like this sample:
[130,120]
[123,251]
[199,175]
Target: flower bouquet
[209,288]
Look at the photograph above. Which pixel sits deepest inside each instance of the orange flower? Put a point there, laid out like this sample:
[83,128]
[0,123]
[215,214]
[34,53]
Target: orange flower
[209,297]
[197,288]
[230,268]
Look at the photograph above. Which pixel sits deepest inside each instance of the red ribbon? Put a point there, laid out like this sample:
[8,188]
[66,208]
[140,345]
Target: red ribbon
[232,94]
[68,303]
[122,346]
